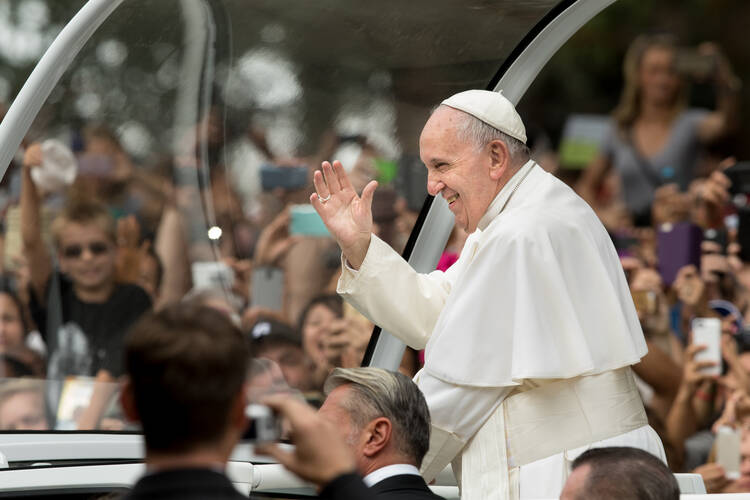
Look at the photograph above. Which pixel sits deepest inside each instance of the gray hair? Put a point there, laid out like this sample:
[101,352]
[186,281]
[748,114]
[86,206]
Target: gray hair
[379,393]
[480,133]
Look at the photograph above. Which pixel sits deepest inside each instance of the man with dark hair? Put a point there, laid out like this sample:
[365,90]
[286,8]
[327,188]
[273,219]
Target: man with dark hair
[620,472]
[384,419]
[186,368]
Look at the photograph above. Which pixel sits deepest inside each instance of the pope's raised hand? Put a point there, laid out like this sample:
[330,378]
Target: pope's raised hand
[346,215]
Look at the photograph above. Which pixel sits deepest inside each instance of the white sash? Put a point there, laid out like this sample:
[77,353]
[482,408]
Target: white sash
[542,421]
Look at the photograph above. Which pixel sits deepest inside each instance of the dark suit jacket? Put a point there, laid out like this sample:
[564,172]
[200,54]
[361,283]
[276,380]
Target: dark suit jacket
[186,484]
[403,487]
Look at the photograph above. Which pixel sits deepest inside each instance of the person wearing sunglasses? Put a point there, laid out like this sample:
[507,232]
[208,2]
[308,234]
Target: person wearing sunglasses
[79,307]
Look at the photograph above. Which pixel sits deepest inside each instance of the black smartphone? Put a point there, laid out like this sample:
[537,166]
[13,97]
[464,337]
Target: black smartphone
[289,178]
[739,175]
[263,424]
[743,233]
[718,236]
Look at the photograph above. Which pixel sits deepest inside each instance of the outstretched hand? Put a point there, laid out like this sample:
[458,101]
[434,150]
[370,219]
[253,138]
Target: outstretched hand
[346,215]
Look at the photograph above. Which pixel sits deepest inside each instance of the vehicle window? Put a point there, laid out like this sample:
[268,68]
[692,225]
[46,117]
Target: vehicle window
[173,161]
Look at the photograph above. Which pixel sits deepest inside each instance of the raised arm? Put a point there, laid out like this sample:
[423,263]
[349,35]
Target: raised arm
[31,233]
[376,280]
[726,117]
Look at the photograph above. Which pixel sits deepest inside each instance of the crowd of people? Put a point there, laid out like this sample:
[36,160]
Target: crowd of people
[84,260]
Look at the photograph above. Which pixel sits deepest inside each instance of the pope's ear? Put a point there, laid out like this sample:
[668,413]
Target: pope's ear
[499,158]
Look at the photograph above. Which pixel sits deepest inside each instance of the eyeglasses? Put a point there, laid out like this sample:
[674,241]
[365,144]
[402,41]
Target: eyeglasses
[75,251]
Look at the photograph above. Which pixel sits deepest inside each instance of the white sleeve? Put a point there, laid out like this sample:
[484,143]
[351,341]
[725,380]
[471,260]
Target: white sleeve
[461,410]
[456,413]
[391,294]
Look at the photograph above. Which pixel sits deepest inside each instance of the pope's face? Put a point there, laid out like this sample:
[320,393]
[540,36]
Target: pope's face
[456,169]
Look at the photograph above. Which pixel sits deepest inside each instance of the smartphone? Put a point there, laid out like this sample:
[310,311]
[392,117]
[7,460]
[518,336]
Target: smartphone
[728,451]
[306,221]
[693,64]
[263,424]
[678,245]
[267,288]
[289,178]
[739,175]
[212,274]
[718,236]
[707,332]
[743,233]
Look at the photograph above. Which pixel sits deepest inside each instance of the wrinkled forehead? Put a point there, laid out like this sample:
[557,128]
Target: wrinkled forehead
[443,120]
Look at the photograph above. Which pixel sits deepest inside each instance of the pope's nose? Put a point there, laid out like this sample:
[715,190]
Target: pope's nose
[434,186]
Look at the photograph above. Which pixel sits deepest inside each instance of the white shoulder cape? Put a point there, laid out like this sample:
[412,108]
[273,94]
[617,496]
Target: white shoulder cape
[538,293]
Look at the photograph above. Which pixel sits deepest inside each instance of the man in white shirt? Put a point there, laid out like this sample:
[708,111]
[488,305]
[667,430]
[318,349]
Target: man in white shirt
[384,418]
[529,336]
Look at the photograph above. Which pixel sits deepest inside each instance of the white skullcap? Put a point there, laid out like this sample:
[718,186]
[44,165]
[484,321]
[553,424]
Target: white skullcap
[492,108]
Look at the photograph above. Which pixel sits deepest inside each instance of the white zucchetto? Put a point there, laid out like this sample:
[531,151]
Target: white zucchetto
[492,108]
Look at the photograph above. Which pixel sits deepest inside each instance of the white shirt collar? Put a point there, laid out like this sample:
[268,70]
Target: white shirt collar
[382,473]
[497,204]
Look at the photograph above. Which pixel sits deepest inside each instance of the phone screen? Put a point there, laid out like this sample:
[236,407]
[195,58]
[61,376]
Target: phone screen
[306,221]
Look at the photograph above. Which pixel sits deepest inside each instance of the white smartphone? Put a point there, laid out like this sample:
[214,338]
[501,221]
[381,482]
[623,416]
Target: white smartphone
[728,451]
[212,274]
[707,332]
[267,288]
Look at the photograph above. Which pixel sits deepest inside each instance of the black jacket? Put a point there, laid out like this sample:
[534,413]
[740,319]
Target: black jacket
[185,484]
[401,487]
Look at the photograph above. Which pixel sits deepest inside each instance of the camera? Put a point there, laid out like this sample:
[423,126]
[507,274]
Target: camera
[264,426]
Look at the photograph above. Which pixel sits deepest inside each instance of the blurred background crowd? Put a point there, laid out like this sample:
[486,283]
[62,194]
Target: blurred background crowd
[99,227]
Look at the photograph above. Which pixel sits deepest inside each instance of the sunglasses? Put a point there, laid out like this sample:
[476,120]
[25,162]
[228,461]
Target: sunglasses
[96,248]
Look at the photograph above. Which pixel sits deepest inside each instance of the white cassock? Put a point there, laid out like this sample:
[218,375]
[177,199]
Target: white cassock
[529,339]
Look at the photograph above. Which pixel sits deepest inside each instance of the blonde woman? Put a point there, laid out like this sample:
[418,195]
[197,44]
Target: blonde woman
[655,139]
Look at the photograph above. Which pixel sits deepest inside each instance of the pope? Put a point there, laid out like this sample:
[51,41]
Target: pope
[529,337]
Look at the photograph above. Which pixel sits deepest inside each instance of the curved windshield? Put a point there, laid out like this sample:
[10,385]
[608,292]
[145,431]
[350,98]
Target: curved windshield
[173,161]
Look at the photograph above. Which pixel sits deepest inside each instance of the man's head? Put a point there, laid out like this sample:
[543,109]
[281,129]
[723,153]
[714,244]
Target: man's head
[278,342]
[620,472]
[84,234]
[382,415]
[186,368]
[472,145]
